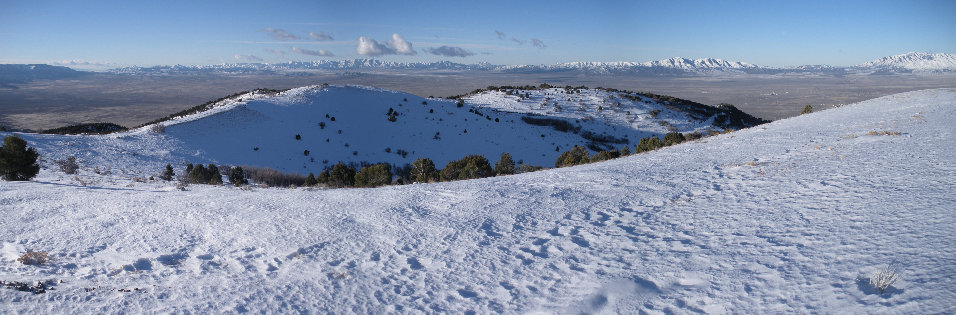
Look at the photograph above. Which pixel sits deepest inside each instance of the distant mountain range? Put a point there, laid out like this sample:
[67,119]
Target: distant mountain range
[905,63]
[913,62]
[18,73]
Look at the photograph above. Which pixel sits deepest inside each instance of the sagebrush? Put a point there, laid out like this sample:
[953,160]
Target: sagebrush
[34,258]
[884,278]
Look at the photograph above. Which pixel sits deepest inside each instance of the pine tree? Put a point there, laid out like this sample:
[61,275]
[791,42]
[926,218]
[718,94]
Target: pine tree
[237,176]
[469,167]
[323,177]
[576,156]
[168,173]
[625,151]
[374,176]
[807,109]
[505,165]
[423,171]
[198,175]
[648,144]
[341,176]
[213,177]
[17,162]
[310,180]
[673,138]
[605,155]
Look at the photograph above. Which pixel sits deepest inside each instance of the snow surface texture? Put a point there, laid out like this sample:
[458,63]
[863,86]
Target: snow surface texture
[260,130]
[787,217]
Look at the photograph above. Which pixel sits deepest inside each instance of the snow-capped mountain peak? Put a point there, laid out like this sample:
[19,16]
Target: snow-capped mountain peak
[699,64]
[918,61]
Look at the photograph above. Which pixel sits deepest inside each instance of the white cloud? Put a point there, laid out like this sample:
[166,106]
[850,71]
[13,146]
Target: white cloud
[449,51]
[397,46]
[520,42]
[538,43]
[402,47]
[370,47]
[280,34]
[320,36]
[247,58]
[320,52]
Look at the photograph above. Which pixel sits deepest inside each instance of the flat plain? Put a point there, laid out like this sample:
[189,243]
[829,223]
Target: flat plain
[131,100]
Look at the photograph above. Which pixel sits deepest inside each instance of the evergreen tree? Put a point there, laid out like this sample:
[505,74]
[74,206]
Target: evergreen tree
[648,144]
[605,155]
[323,177]
[505,165]
[576,156]
[168,173]
[374,176]
[17,162]
[625,151]
[673,138]
[469,167]
[189,170]
[237,176]
[198,175]
[807,109]
[213,176]
[477,167]
[310,180]
[423,171]
[341,176]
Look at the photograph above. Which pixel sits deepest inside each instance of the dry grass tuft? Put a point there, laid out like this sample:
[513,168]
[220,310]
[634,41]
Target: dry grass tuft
[883,133]
[34,258]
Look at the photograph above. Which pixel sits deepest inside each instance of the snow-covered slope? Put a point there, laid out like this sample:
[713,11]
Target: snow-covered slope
[914,61]
[787,217]
[351,124]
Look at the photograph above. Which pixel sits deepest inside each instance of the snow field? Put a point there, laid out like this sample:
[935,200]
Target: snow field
[780,218]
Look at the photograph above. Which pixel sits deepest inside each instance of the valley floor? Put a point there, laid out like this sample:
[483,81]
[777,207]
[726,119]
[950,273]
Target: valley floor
[786,217]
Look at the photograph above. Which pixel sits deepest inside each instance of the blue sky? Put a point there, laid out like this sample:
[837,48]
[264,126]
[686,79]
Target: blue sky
[771,33]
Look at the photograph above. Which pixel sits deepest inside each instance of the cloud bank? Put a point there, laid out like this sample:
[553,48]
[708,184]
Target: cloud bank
[320,52]
[280,34]
[449,51]
[320,36]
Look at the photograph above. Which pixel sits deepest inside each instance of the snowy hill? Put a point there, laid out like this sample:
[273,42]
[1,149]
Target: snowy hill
[787,217]
[353,124]
[914,61]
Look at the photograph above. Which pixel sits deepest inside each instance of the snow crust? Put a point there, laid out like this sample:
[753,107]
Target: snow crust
[781,218]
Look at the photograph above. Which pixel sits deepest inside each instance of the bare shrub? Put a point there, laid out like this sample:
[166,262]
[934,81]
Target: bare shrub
[182,182]
[883,133]
[158,128]
[884,278]
[68,166]
[34,258]
[272,178]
